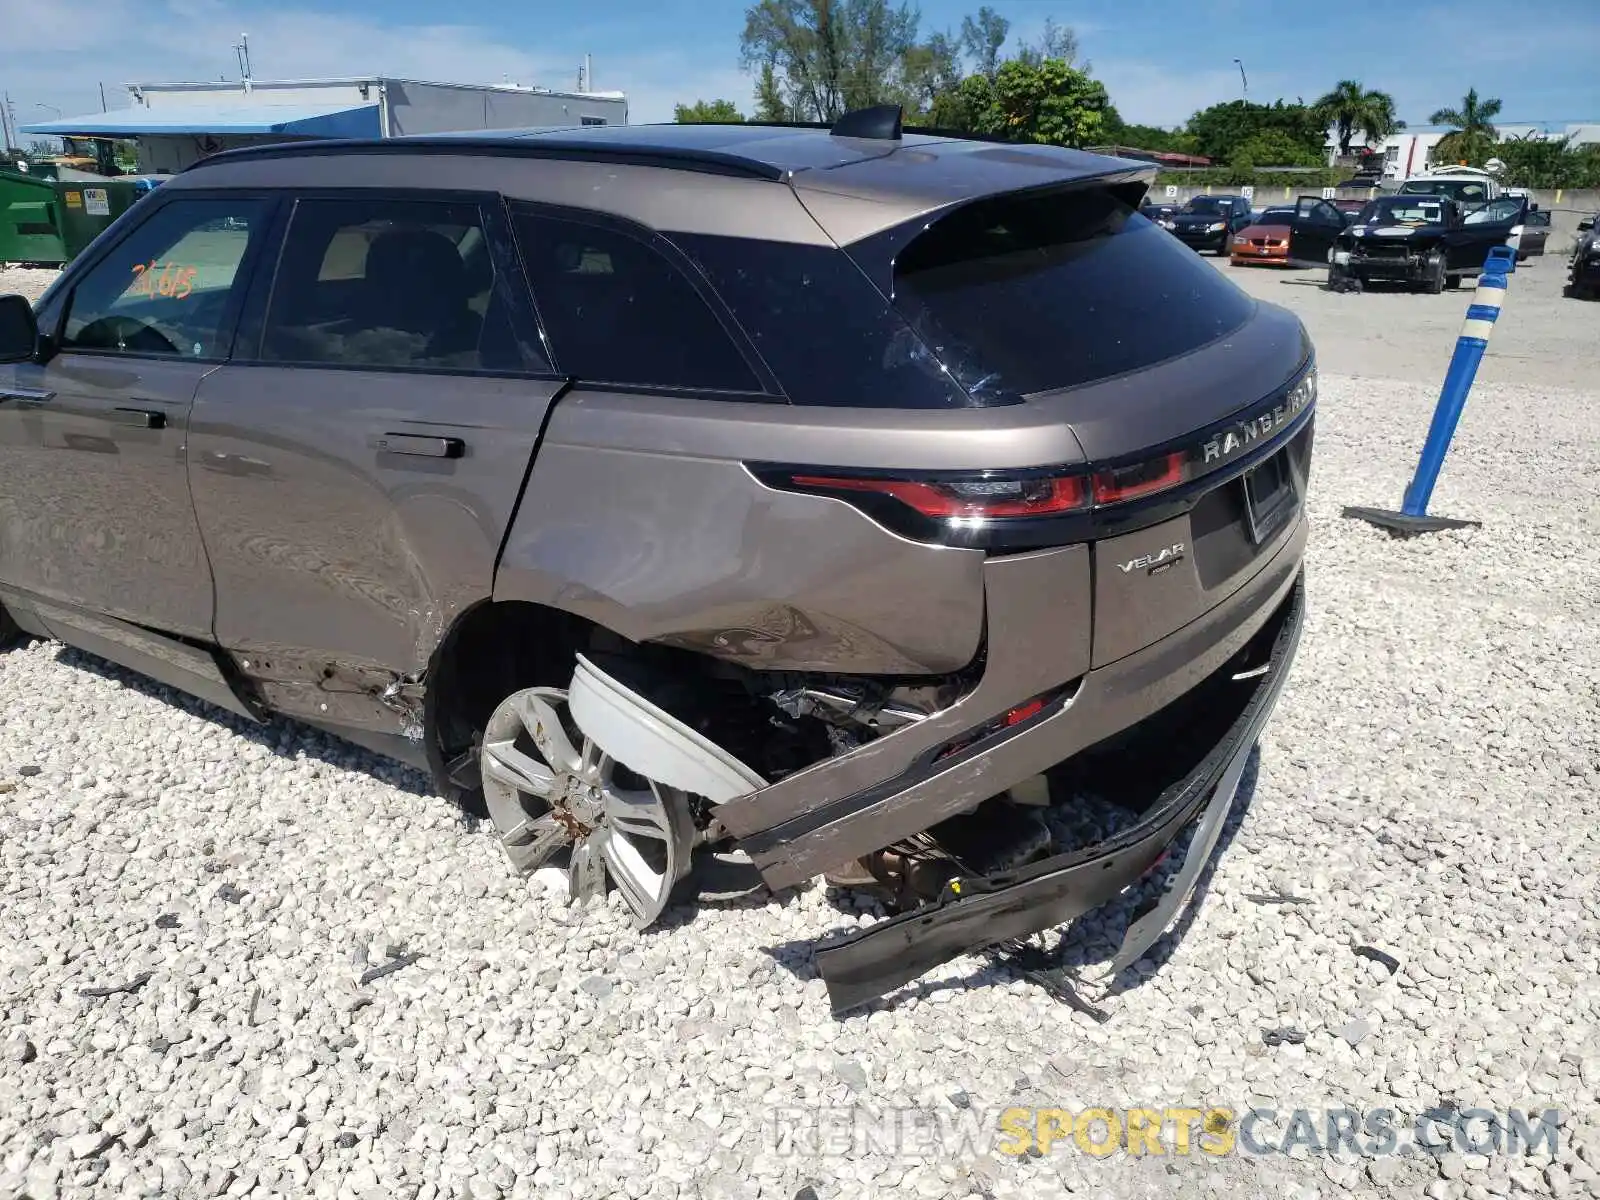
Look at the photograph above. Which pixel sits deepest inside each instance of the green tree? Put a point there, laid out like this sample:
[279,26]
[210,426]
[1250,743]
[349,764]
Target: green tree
[827,57]
[708,112]
[930,70]
[1274,148]
[771,103]
[1543,163]
[1117,132]
[1350,107]
[1048,102]
[1475,116]
[1055,42]
[1474,148]
[982,36]
[1219,131]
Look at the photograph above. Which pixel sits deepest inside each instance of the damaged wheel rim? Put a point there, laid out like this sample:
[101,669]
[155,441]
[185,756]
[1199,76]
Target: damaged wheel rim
[557,799]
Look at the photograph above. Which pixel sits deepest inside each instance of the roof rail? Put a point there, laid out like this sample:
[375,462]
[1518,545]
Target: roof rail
[541,146]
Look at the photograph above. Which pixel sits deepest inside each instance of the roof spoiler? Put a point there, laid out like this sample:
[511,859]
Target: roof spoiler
[881,122]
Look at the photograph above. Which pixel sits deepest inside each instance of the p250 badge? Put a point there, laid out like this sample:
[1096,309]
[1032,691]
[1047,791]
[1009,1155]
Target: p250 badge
[1161,560]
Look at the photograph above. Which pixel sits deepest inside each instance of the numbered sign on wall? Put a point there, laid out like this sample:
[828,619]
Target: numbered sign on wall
[1172,191]
[1249,193]
[1327,193]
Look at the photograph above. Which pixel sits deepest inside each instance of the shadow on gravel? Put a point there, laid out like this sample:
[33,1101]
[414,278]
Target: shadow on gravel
[1088,942]
[285,738]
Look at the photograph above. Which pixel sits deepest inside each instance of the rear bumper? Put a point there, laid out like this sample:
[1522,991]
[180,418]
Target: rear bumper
[897,786]
[974,913]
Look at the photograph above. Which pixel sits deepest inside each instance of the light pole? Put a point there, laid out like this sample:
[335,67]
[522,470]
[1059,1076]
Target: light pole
[1242,80]
[52,108]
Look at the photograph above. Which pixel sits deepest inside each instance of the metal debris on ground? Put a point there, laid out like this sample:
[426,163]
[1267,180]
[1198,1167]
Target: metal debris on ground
[232,895]
[1278,898]
[1284,1036]
[133,985]
[389,968]
[1379,956]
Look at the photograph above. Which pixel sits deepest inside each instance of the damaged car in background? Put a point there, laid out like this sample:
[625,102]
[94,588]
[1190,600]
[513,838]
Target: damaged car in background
[1428,242]
[850,500]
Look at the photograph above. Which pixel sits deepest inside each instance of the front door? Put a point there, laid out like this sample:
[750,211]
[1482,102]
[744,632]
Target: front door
[356,466]
[1316,226]
[94,498]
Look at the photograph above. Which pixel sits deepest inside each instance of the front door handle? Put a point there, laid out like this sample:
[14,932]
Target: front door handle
[138,418]
[23,395]
[424,445]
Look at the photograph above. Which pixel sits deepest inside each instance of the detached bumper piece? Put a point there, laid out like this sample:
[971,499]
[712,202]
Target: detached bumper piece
[976,913]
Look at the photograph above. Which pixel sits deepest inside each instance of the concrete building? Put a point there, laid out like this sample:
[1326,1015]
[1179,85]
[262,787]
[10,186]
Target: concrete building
[1410,150]
[176,124]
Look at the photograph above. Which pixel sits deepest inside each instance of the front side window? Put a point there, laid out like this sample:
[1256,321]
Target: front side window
[395,284]
[169,287]
[617,311]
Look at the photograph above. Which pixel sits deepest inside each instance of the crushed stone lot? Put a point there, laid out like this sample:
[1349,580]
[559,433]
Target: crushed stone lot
[256,961]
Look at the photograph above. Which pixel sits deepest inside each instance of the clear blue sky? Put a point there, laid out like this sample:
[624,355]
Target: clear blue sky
[1160,59]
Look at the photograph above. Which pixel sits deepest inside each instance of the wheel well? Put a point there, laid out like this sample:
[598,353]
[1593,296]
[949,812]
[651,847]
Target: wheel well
[492,650]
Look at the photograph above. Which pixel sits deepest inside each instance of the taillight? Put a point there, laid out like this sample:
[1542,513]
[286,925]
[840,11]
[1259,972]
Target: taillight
[966,498]
[1135,482]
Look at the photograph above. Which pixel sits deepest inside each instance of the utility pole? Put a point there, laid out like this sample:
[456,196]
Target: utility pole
[5,123]
[103,98]
[1242,80]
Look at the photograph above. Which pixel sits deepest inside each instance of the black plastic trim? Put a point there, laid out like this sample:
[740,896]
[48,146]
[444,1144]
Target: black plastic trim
[536,146]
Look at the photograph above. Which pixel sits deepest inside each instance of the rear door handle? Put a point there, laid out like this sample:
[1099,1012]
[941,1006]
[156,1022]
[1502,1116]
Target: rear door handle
[139,418]
[26,395]
[424,445]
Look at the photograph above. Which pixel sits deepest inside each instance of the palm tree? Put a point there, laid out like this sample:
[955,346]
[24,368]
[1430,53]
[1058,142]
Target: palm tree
[1475,116]
[1350,107]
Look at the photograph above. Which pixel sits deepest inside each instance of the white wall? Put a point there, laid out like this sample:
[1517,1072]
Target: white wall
[437,108]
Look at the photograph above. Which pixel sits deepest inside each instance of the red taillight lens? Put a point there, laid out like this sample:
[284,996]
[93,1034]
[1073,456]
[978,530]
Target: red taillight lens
[1025,712]
[1142,479]
[981,498]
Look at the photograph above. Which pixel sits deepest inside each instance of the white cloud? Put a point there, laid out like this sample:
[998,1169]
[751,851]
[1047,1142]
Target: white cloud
[70,47]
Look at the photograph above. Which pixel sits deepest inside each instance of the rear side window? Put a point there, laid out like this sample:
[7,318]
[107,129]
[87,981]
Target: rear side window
[1054,290]
[617,311]
[821,326]
[391,284]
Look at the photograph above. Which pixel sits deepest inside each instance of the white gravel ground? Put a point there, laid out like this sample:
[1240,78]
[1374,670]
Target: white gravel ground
[1428,787]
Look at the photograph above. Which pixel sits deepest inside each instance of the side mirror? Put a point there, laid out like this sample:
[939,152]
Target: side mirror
[1585,225]
[19,330]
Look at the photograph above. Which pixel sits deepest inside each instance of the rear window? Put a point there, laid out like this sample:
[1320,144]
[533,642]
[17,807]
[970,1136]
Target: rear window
[1463,191]
[1057,290]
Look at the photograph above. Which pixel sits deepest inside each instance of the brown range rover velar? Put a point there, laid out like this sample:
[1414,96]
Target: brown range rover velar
[847,498]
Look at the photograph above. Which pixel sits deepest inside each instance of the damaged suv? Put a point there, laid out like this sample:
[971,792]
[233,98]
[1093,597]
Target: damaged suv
[852,498]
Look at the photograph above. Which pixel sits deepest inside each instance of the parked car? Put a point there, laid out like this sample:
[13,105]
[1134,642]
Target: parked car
[659,488]
[1209,222]
[1301,235]
[1429,241]
[1158,212]
[1535,233]
[1467,186]
[1583,270]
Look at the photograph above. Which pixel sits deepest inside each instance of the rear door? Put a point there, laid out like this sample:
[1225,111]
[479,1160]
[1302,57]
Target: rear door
[356,466]
[1491,224]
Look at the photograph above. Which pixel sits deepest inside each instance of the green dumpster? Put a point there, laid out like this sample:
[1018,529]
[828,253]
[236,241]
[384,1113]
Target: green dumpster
[30,228]
[51,221]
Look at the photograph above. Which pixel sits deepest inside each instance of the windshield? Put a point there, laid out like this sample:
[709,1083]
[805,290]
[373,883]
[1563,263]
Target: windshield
[1468,191]
[1276,216]
[1028,293]
[1206,204]
[1397,211]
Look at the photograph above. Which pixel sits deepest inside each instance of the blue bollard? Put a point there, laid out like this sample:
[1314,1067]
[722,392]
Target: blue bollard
[1473,341]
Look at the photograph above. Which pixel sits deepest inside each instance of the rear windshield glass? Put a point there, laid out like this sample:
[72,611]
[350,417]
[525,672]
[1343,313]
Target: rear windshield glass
[1051,290]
